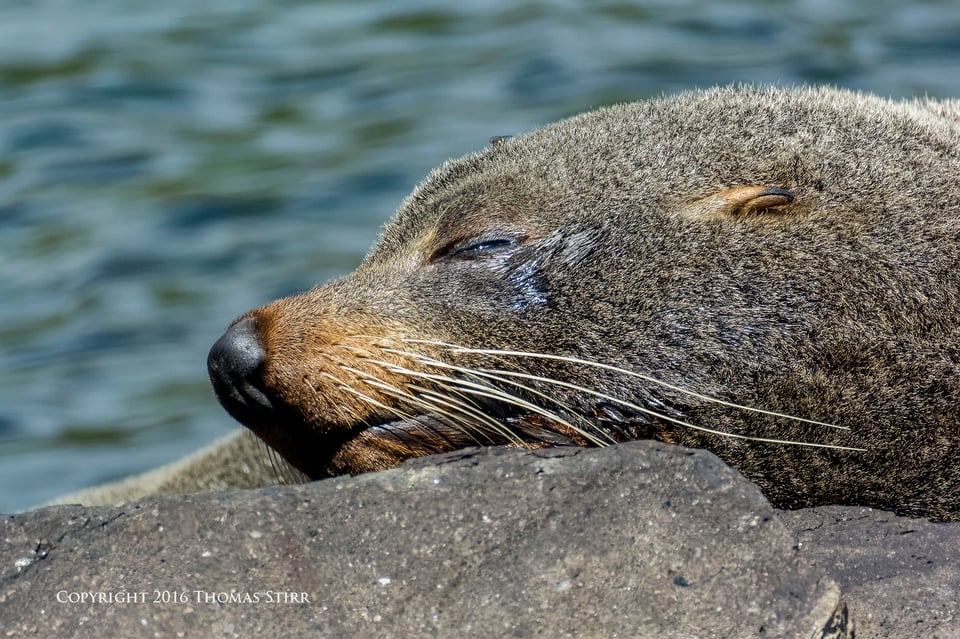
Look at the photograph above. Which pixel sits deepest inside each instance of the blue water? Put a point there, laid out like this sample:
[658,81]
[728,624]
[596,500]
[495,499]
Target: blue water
[165,167]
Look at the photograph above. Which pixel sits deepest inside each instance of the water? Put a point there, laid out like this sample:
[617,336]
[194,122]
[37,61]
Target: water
[167,166]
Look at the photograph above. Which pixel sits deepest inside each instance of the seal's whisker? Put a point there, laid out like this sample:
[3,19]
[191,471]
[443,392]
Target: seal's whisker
[460,386]
[283,471]
[276,463]
[370,400]
[495,425]
[647,378]
[429,402]
[484,390]
[464,417]
[672,420]
[343,409]
[449,400]
[474,374]
[499,375]
[359,418]
[490,392]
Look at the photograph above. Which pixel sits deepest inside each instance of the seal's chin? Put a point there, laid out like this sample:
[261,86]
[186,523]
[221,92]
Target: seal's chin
[378,443]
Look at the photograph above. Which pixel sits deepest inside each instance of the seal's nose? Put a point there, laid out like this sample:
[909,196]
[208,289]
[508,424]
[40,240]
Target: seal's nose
[235,364]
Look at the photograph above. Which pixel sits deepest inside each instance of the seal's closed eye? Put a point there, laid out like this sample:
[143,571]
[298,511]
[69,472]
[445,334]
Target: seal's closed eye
[479,246]
[739,201]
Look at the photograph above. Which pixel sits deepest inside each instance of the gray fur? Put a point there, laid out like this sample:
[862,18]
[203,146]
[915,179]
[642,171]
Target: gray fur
[238,460]
[840,306]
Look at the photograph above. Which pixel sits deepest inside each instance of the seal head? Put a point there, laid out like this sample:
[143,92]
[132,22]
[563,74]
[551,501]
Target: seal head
[770,274]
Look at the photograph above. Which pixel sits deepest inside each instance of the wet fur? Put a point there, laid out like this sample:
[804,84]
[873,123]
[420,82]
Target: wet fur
[788,250]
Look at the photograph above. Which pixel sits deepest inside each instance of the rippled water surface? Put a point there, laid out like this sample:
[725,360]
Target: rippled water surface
[166,166]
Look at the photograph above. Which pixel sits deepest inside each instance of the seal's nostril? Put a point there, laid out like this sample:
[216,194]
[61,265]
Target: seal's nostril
[235,365]
[238,353]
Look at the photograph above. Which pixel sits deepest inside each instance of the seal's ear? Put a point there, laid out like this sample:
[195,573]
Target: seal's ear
[739,201]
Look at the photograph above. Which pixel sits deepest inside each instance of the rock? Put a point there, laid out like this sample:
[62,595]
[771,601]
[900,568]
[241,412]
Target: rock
[636,540]
[900,577]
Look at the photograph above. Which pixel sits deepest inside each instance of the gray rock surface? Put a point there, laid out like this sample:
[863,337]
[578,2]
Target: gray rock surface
[900,577]
[634,541]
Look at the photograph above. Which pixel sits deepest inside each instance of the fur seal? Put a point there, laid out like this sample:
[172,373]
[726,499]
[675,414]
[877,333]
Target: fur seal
[770,274]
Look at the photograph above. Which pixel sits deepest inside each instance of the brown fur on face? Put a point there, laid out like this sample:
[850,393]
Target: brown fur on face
[787,250]
[335,382]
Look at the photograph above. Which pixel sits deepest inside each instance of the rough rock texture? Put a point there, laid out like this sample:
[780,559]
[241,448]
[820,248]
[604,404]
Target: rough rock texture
[633,541]
[899,576]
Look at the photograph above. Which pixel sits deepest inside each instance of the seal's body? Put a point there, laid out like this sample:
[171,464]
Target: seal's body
[695,269]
